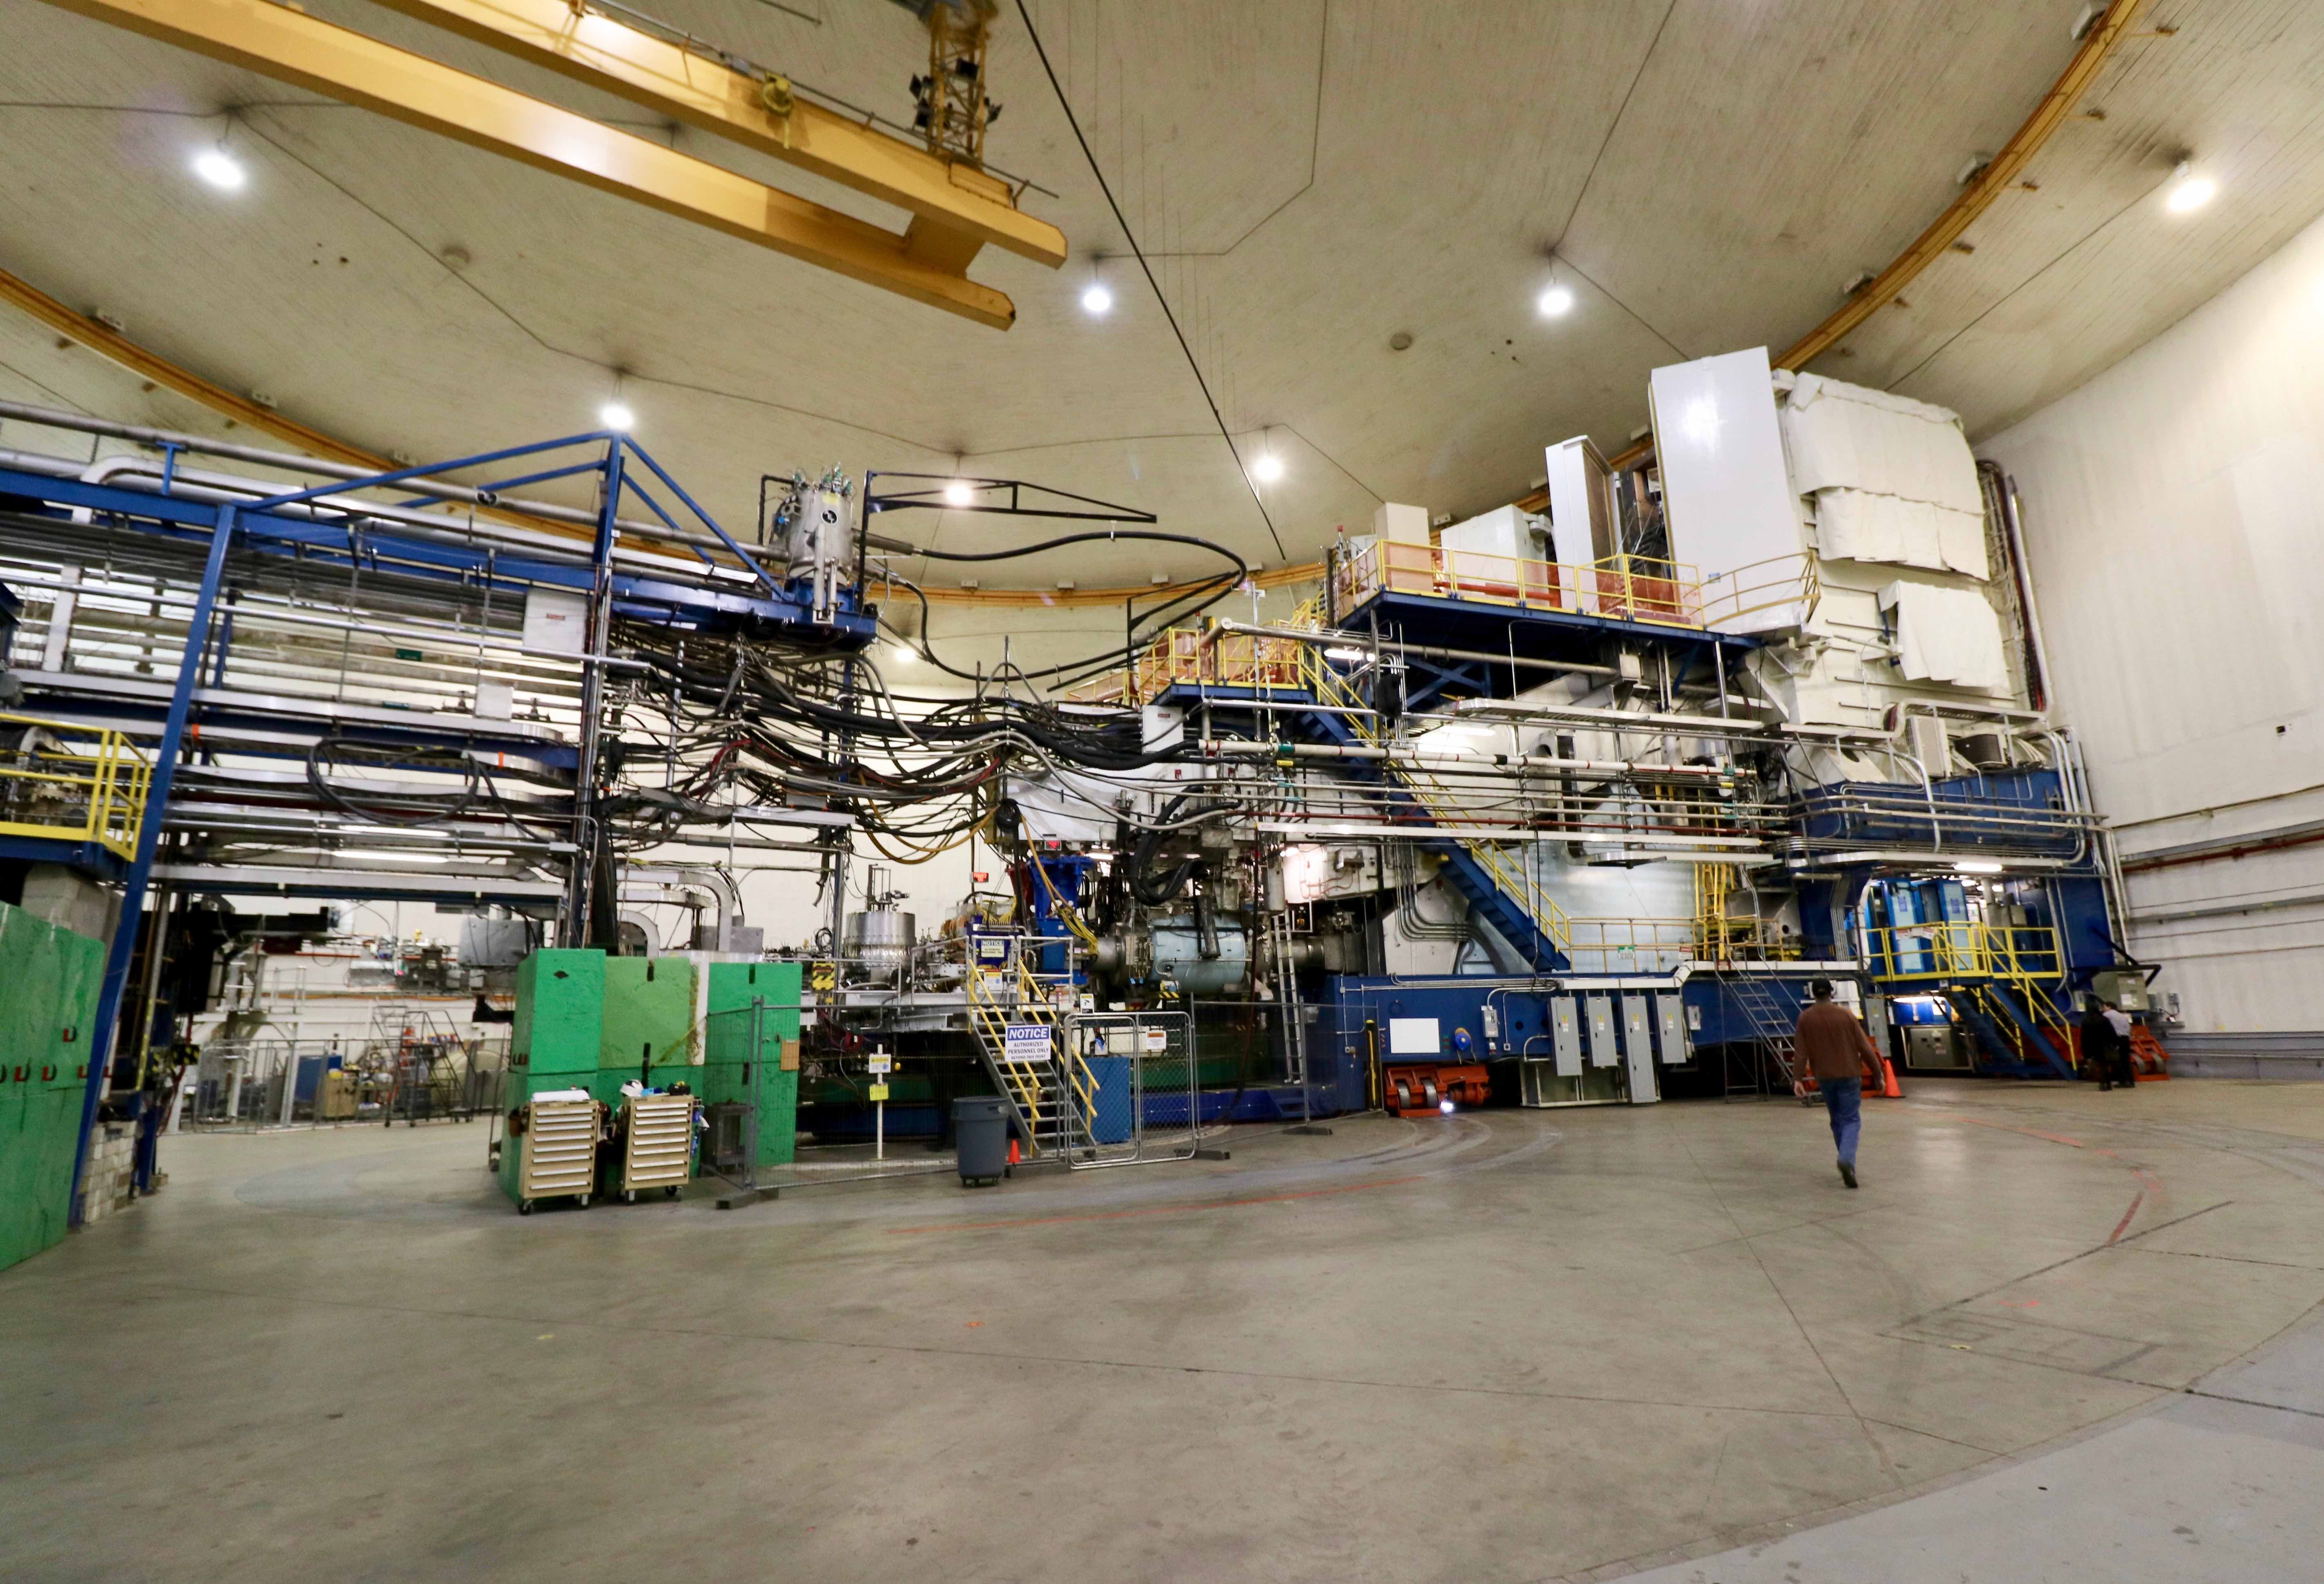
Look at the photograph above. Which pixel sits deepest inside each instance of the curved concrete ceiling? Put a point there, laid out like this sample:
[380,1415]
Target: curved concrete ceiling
[1308,176]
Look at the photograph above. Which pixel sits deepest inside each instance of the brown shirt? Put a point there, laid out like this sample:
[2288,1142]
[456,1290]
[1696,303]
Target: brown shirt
[1832,1043]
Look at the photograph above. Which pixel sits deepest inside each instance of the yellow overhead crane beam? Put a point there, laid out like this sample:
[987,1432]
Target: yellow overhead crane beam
[298,49]
[957,207]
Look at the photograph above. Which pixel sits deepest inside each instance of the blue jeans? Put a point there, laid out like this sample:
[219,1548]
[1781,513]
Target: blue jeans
[1844,1099]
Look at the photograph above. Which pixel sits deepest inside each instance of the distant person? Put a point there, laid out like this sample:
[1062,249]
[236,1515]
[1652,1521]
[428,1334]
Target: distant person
[2124,1074]
[2098,1043]
[1837,1050]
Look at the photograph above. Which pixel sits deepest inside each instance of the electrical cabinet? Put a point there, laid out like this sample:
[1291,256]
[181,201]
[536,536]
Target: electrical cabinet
[1600,1013]
[1670,1030]
[1565,1035]
[1639,1048]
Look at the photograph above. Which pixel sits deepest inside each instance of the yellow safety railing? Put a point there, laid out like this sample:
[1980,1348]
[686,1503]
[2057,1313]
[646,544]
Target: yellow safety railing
[1720,937]
[1960,949]
[53,790]
[1619,945]
[1632,588]
[2022,958]
[1772,585]
[995,1000]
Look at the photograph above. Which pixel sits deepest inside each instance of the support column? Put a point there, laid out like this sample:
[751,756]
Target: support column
[149,837]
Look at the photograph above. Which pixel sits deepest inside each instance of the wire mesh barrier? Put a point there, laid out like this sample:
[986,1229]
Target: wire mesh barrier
[290,1084]
[747,1078]
[1137,1094]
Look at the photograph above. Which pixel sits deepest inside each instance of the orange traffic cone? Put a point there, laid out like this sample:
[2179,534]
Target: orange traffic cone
[1013,1146]
[1889,1088]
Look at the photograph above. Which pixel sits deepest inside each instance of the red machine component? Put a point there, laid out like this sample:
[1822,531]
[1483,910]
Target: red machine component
[1423,1088]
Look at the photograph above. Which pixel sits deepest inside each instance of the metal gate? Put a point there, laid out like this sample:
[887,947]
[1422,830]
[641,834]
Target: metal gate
[1133,1093]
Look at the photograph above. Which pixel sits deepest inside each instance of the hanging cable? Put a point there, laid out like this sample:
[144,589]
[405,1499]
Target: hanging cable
[1140,254]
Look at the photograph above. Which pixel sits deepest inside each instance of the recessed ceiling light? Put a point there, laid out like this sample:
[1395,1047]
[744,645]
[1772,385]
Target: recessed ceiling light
[2192,191]
[1096,301]
[220,170]
[1266,467]
[614,416]
[907,653]
[1554,303]
[958,493]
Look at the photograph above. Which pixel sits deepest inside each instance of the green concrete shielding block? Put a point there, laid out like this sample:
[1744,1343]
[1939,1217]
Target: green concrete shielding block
[560,1009]
[647,1028]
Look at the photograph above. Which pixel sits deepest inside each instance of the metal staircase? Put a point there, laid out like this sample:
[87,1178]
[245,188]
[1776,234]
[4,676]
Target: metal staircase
[1052,1099]
[1495,882]
[2021,1035]
[1774,1068]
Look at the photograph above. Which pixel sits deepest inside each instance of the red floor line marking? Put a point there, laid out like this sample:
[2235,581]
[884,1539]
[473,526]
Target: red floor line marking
[2120,1225]
[2027,1132]
[1117,1215]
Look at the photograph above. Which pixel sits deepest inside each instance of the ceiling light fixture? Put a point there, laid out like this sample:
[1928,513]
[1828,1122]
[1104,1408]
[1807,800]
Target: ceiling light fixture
[1096,301]
[1266,467]
[1555,302]
[2192,191]
[907,653]
[220,170]
[613,415]
[1976,866]
[958,493]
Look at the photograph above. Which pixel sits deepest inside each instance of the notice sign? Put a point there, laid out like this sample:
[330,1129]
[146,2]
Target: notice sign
[1028,1042]
[1157,1041]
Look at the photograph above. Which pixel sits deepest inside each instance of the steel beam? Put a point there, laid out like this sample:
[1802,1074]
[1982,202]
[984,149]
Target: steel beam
[149,837]
[292,47]
[957,207]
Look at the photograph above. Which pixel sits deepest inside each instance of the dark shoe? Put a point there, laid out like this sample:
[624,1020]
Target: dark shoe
[1848,1174]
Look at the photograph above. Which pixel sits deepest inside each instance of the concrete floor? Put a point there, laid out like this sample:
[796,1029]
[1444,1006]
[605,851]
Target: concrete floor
[1506,1346]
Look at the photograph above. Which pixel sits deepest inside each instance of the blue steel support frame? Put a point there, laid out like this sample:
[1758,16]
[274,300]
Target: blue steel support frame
[224,520]
[572,930]
[149,838]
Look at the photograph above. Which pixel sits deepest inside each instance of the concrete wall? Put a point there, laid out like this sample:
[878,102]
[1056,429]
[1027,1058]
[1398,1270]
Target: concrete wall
[2174,518]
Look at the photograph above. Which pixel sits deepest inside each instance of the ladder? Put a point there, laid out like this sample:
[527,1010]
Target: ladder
[1045,1120]
[1286,1004]
[1772,1029]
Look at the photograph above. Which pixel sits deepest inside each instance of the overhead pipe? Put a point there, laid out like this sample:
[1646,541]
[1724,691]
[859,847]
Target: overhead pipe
[1449,759]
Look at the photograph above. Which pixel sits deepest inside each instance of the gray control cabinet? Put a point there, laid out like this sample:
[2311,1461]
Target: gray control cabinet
[1599,1010]
[1565,1035]
[1639,1048]
[1670,1018]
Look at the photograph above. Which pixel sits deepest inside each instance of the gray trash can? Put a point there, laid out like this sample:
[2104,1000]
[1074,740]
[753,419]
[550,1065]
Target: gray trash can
[980,1126]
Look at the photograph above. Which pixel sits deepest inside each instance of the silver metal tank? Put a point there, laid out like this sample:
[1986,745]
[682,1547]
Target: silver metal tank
[877,946]
[1178,955]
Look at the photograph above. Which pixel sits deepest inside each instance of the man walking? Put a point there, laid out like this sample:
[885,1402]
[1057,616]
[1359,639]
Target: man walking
[2097,1042]
[2126,1074]
[1836,1049]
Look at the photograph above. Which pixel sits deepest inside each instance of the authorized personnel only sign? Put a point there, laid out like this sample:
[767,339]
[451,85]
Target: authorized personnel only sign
[1028,1042]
